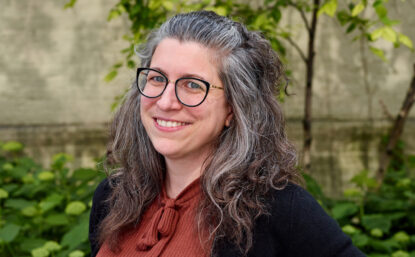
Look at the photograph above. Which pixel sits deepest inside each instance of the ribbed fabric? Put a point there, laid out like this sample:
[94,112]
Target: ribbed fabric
[167,228]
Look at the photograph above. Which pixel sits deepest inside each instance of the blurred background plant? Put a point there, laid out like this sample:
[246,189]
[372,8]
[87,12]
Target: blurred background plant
[44,212]
[380,218]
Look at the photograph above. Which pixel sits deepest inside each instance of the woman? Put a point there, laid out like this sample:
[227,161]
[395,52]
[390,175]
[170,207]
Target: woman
[202,165]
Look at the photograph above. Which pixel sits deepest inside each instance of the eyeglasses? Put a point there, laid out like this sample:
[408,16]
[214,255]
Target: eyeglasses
[190,92]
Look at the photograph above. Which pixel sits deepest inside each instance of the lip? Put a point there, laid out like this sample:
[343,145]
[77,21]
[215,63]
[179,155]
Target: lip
[169,129]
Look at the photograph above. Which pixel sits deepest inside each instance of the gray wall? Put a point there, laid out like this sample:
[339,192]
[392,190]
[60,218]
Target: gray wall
[53,97]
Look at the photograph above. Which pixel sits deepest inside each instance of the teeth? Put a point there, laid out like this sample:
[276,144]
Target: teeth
[169,124]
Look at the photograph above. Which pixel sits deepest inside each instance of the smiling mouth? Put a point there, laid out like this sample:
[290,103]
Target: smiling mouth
[170,124]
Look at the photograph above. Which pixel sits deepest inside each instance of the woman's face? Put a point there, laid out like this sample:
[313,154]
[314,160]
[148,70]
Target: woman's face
[178,131]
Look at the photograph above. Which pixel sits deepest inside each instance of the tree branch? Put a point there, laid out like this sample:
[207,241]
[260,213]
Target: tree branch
[297,47]
[385,110]
[396,131]
[301,11]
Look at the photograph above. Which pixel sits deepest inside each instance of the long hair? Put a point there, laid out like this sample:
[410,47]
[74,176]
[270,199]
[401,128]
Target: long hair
[252,155]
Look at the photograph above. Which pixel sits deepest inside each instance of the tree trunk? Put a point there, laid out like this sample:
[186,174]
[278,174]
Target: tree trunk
[308,89]
[396,131]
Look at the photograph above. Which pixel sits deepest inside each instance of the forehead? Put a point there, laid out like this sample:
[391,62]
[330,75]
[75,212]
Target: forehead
[176,57]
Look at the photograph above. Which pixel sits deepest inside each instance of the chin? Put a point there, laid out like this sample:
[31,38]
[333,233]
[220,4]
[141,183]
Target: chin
[167,150]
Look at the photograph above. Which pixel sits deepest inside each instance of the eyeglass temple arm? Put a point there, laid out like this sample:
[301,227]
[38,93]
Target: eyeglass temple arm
[213,86]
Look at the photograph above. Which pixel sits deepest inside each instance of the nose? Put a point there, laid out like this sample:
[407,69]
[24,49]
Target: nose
[168,100]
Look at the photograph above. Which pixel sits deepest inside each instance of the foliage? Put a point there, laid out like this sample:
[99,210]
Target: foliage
[147,15]
[43,212]
[379,219]
[372,29]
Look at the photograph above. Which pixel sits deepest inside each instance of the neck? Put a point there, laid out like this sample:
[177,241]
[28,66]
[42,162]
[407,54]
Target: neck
[180,173]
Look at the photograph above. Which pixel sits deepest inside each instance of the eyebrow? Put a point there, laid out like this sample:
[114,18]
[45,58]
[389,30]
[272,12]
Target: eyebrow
[186,75]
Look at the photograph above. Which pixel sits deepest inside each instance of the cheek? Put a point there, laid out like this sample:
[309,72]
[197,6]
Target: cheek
[145,104]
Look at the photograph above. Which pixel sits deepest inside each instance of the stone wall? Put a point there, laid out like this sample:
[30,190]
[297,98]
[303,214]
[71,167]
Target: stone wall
[53,97]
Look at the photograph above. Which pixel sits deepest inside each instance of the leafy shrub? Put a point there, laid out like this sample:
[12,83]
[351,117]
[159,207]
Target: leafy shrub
[43,212]
[379,219]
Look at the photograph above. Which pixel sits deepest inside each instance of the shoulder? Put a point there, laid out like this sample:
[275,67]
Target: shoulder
[100,203]
[102,192]
[282,201]
[304,226]
[99,211]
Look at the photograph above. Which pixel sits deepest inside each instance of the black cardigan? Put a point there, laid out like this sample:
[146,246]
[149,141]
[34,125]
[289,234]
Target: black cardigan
[296,227]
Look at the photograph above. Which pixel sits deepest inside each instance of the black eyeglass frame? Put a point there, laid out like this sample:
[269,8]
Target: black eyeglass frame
[208,85]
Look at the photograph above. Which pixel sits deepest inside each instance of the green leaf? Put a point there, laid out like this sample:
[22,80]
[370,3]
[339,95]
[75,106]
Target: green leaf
[381,10]
[29,211]
[75,208]
[406,41]
[358,9]
[360,240]
[402,237]
[3,194]
[342,210]
[376,34]
[18,203]
[328,8]
[400,253]
[379,221]
[52,246]
[121,8]
[389,22]
[168,5]
[40,252]
[76,236]
[28,244]
[376,232]
[378,52]
[69,4]
[349,229]
[384,245]
[117,65]
[28,179]
[8,166]
[50,202]
[12,146]
[10,187]
[84,174]
[221,10]
[113,14]
[110,76]
[376,3]
[389,34]
[46,176]
[57,219]
[353,192]
[59,160]
[131,64]
[77,253]
[362,179]
[351,27]
[9,232]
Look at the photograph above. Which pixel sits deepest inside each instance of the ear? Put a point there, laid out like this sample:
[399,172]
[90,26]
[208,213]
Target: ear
[229,117]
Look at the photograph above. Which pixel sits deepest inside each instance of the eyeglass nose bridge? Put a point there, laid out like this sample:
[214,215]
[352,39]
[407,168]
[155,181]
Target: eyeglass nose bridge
[168,81]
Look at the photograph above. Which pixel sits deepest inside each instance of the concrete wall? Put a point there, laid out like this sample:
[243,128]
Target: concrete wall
[53,62]
[53,97]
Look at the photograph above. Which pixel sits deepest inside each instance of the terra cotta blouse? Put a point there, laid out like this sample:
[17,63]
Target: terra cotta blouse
[167,228]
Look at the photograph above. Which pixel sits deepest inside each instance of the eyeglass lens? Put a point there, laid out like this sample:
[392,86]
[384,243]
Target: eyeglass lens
[189,91]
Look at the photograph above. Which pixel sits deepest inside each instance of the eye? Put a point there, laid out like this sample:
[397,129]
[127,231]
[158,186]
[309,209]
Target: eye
[157,78]
[193,85]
